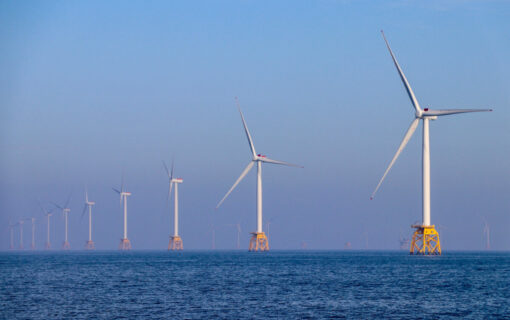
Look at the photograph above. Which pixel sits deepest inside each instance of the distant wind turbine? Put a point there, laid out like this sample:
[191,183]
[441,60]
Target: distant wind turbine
[125,244]
[425,238]
[20,224]
[89,245]
[32,245]
[65,212]
[258,240]
[175,242]
[11,232]
[47,214]
[238,229]
[486,233]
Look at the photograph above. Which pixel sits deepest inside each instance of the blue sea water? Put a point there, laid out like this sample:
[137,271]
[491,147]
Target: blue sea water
[242,285]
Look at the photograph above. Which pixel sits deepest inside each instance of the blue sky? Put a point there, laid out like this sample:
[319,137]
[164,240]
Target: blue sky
[91,89]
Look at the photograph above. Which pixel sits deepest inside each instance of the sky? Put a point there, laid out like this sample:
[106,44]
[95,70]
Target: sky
[91,91]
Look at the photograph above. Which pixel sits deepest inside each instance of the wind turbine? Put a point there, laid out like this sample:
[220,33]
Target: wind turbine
[258,240]
[175,242]
[89,245]
[425,238]
[125,244]
[65,212]
[47,214]
[32,245]
[11,232]
[20,223]
[238,228]
[486,233]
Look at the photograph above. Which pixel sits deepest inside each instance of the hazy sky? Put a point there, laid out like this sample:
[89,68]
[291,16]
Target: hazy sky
[89,89]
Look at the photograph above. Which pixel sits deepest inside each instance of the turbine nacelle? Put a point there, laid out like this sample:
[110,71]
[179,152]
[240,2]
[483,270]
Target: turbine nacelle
[176,180]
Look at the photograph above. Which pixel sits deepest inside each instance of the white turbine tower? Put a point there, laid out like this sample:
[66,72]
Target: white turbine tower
[32,245]
[47,214]
[20,223]
[425,238]
[486,233]
[258,240]
[175,242]
[238,229]
[89,245]
[65,213]
[125,244]
[11,232]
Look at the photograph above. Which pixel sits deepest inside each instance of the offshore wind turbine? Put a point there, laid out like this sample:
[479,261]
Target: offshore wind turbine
[425,238]
[258,240]
[238,229]
[32,245]
[11,232]
[125,244]
[486,233]
[89,245]
[175,242]
[47,214]
[65,213]
[20,223]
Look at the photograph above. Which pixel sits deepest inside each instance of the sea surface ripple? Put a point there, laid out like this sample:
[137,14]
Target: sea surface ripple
[242,285]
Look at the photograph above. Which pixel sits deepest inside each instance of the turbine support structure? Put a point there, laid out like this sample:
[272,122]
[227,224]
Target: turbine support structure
[425,241]
[89,245]
[125,244]
[175,243]
[258,242]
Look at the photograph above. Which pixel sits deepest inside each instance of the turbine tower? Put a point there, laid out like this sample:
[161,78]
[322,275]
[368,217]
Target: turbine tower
[425,238]
[175,242]
[20,223]
[258,240]
[125,244]
[238,229]
[486,233]
[11,232]
[65,213]
[47,214]
[32,245]
[89,245]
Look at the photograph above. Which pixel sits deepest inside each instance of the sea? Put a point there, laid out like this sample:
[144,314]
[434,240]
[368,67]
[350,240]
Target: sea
[242,285]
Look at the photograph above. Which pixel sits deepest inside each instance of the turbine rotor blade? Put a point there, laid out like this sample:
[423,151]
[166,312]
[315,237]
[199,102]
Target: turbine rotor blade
[279,162]
[120,193]
[250,141]
[403,144]
[166,169]
[446,112]
[68,199]
[56,205]
[243,174]
[409,90]
[83,212]
[172,172]
[170,191]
